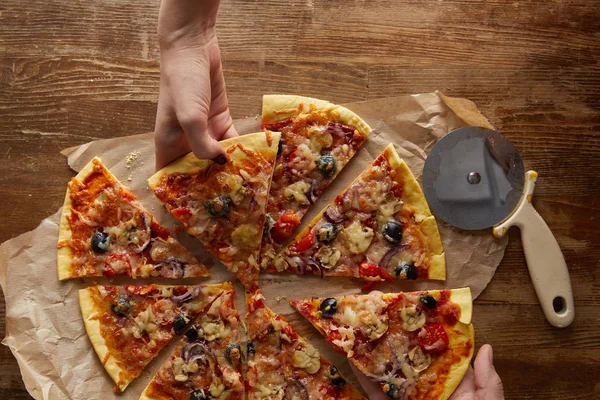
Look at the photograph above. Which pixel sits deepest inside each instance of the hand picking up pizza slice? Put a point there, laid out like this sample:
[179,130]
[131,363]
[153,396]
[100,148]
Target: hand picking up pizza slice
[317,140]
[282,365]
[223,206]
[207,362]
[105,231]
[379,228]
[415,345]
[129,325]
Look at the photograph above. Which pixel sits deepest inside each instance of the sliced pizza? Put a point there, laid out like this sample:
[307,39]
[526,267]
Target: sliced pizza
[207,362]
[223,206]
[415,345]
[105,231]
[129,325]
[282,365]
[317,140]
[379,228]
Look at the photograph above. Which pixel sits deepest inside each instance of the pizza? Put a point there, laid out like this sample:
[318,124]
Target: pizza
[415,345]
[380,228]
[223,206]
[207,362]
[105,231]
[282,365]
[129,325]
[317,140]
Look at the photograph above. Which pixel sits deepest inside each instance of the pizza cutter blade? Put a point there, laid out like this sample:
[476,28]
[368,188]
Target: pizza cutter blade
[474,179]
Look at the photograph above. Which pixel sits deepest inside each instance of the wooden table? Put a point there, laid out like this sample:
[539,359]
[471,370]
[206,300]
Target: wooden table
[74,71]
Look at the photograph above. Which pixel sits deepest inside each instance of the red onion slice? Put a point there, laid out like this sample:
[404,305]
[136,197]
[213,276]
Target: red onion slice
[387,257]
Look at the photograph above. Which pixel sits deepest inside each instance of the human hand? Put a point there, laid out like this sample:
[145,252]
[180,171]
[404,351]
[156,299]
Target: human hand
[480,383]
[193,112]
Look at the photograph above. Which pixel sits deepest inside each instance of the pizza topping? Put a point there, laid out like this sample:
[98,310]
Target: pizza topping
[250,348]
[187,296]
[412,318]
[198,351]
[198,395]
[328,256]
[219,206]
[100,242]
[305,243]
[295,390]
[433,338]
[117,264]
[181,369]
[232,185]
[372,272]
[405,270]
[135,231]
[358,237]
[334,215]
[428,301]
[212,329]
[391,390]
[308,359]
[297,191]
[328,307]
[285,225]
[335,376]
[191,333]
[327,232]
[144,322]
[233,354]
[122,308]
[246,236]
[392,231]
[419,361]
[180,322]
[326,165]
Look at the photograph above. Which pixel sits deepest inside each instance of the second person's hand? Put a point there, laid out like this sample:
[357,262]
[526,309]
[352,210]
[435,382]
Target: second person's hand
[193,111]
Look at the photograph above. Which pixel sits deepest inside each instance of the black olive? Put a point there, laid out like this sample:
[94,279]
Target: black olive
[326,165]
[198,395]
[405,270]
[335,377]
[250,349]
[233,353]
[218,207]
[327,232]
[100,242]
[392,231]
[180,323]
[122,308]
[328,307]
[391,390]
[192,333]
[428,301]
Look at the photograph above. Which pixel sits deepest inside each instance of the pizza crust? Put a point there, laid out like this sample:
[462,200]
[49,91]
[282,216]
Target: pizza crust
[92,327]
[189,164]
[63,258]
[414,197]
[277,107]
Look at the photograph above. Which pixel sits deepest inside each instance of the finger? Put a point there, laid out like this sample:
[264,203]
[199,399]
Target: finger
[203,145]
[466,389]
[487,380]
[372,389]
[220,123]
[170,142]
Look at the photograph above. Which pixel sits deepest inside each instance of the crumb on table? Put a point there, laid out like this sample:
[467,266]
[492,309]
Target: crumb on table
[131,157]
[279,298]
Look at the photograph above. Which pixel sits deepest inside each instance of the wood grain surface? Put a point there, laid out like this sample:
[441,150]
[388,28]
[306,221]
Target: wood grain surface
[73,71]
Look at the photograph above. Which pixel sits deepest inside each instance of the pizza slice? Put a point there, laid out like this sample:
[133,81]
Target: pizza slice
[129,325]
[207,362]
[379,228]
[105,231]
[282,365]
[223,206]
[318,139]
[415,345]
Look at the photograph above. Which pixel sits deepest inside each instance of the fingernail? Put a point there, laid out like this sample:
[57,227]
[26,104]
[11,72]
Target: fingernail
[220,159]
[491,355]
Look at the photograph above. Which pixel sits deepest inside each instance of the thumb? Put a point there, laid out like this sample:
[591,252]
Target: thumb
[202,144]
[487,380]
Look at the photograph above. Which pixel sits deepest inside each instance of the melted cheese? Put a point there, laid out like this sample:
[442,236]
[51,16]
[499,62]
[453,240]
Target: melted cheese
[358,237]
[144,322]
[296,191]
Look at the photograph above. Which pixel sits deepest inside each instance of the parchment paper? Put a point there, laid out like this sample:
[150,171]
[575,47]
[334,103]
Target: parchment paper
[44,327]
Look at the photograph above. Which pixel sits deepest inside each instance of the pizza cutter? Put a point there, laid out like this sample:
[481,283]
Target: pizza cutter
[473,179]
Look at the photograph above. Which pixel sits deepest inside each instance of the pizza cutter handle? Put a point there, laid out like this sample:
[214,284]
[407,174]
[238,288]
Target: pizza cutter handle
[546,263]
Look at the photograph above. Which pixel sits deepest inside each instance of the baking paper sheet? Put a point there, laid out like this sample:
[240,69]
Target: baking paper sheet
[44,326]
